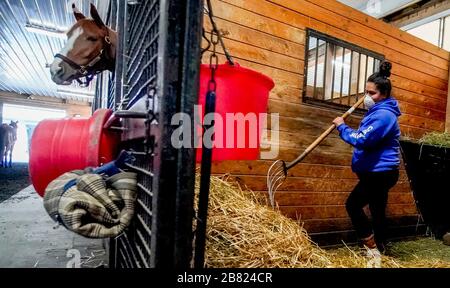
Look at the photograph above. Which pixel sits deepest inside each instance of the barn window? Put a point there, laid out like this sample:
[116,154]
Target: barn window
[336,71]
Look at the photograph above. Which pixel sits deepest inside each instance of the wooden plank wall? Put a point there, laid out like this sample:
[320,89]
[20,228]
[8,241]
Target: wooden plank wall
[447,121]
[269,36]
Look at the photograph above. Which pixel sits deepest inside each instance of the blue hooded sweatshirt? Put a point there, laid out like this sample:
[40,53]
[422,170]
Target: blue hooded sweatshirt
[376,142]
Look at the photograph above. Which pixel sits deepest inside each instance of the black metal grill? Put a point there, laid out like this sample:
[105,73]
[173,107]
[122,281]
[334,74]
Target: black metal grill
[140,233]
[161,231]
[142,49]
[111,94]
[105,85]
[336,71]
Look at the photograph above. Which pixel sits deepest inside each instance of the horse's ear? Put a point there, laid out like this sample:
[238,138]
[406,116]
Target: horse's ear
[77,13]
[94,14]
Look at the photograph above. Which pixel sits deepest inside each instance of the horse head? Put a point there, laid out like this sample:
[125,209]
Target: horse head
[90,49]
[14,124]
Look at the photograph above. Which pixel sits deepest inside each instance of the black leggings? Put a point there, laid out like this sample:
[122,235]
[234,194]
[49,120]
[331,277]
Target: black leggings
[372,190]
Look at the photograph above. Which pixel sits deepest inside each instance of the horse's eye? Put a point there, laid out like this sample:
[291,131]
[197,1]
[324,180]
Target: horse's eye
[90,38]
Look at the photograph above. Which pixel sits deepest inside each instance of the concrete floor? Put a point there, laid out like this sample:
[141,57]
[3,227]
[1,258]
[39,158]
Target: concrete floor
[29,238]
[13,180]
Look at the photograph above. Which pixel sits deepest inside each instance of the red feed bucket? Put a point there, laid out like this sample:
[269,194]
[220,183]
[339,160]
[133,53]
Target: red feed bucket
[241,94]
[62,145]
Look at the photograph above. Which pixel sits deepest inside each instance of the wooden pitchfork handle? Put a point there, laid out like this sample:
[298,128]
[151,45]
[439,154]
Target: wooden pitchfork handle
[323,136]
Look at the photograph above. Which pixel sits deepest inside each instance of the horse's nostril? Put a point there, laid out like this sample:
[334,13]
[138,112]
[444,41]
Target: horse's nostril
[59,71]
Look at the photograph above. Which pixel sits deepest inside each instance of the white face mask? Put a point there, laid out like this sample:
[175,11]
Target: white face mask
[368,101]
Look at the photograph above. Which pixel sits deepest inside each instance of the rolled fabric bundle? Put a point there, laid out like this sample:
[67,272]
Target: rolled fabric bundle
[90,204]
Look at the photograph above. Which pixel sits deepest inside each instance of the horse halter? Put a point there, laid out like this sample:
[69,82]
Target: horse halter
[89,70]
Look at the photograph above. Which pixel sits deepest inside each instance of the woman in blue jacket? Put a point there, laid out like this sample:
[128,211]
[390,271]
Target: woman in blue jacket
[376,158]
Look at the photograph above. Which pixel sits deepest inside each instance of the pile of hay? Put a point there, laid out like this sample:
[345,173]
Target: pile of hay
[244,232]
[436,139]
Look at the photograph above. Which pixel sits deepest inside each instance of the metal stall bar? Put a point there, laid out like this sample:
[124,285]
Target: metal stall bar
[180,38]
[334,71]
[342,76]
[160,79]
[350,79]
[374,69]
[366,72]
[120,24]
[359,76]
[189,90]
[316,68]
[325,71]
[306,66]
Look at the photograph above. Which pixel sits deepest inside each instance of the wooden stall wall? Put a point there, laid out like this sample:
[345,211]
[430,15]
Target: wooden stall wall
[269,36]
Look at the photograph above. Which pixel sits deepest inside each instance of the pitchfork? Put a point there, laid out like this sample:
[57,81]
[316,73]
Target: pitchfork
[277,173]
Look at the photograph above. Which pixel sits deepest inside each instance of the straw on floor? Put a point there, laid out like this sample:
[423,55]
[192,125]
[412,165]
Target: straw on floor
[244,232]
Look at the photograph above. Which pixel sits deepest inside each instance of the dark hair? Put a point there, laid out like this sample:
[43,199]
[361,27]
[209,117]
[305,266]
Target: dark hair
[381,79]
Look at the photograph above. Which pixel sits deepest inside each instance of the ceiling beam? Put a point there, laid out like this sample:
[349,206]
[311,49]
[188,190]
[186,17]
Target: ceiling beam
[379,8]
[419,13]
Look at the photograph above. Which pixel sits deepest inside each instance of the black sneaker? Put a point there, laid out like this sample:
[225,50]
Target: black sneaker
[382,247]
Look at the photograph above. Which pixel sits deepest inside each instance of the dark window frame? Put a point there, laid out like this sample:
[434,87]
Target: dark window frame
[338,43]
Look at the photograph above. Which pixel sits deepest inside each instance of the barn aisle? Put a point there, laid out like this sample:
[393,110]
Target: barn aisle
[13,180]
[29,238]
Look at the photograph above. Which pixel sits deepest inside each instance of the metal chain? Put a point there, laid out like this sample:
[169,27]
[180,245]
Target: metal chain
[204,36]
[215,30]
[213,62]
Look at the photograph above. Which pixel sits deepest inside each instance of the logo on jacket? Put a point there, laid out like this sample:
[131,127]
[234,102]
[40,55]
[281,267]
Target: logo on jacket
[362,134]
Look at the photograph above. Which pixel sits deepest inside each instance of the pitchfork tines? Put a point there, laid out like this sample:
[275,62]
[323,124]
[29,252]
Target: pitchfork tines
[275,178]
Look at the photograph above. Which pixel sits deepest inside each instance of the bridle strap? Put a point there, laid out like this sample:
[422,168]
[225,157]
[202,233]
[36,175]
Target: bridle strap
[72,64]
[94,61]
[82,69]
[88,70]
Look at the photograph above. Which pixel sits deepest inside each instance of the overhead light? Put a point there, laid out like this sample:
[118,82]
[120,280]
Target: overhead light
[76,93]
[45,30]
[77,96]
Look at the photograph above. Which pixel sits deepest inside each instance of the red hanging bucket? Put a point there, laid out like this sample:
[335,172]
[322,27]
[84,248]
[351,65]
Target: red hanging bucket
[241,97]
[62,145]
